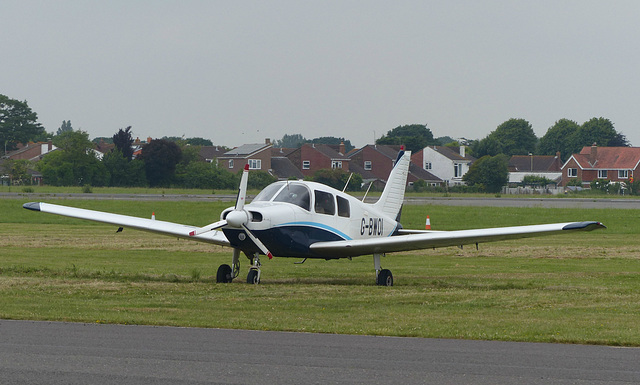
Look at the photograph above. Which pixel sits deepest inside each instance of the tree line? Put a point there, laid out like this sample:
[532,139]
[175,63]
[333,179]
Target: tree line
[173,161]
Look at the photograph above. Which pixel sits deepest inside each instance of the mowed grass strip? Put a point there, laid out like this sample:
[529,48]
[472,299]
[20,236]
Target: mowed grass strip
[577,288]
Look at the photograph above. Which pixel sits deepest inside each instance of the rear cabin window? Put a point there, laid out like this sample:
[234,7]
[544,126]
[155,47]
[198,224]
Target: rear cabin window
[343,207]
[325,203]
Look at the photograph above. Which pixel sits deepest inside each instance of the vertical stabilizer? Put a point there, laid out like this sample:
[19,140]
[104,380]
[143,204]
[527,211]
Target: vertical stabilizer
[390,201]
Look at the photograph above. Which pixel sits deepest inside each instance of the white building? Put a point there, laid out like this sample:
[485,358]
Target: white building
[447,163]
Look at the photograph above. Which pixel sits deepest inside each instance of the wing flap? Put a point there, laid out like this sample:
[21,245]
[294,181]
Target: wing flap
[352,248]
[151,225]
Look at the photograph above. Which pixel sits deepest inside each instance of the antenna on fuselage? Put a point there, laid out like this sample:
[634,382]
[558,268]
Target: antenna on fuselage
[367,192]
[346,184]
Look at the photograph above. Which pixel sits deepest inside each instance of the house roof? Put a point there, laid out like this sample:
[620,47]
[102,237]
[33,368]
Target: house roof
[608,158]
[390,151]
[327,150]
[281,151]
[245,150]
[211,152]
[29,146]
[534,163]
[282,168]
[452,153]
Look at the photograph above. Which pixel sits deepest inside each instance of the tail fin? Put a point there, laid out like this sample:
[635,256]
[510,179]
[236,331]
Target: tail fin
[390,201]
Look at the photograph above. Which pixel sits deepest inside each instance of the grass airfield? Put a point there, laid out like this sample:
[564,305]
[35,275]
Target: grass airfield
[575,288]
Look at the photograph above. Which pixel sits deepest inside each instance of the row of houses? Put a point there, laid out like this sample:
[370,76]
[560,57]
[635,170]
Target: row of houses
[436,165]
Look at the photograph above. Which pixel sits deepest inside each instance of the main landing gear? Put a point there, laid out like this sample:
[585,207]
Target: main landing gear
[383,276]
[226,273]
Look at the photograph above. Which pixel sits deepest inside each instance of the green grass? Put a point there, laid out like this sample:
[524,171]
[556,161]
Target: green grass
[579,288]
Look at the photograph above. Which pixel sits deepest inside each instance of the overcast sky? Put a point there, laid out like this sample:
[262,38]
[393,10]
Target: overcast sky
[241,71]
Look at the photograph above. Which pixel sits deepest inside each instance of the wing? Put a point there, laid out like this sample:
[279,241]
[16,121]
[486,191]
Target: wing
[152,225]
[427,240]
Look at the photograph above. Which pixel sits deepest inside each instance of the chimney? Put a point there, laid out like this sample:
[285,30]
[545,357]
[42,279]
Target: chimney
[49,145]
[267,141]
[462,151]
[558,154]
[342,147]
[593,156]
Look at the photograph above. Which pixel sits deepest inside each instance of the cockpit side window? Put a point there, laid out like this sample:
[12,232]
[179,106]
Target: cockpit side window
[324,203]
[295,193]
[343,207]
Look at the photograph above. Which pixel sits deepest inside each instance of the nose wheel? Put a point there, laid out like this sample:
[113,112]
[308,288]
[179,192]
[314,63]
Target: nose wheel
[254,271]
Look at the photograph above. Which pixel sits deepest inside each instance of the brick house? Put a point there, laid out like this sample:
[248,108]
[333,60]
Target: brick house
[617,164]
[447,163]
[311,157]
[32,151]
[379,160]
[258,156]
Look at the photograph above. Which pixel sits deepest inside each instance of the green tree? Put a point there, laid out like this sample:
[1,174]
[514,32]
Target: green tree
[337,178]
[160,158]
[414,137]
[123,141]
[18,124]
[559,137]
[332,140]
[74,163]
[290,141]
[18,171]
[205,175]
[259,179]
[488,173]
[124,172]
[199,142]
[64,127]
[599,131]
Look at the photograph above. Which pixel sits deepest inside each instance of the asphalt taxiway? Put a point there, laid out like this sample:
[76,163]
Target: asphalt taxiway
[74,353]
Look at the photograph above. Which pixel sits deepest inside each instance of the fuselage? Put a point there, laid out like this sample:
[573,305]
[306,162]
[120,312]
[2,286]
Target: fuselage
[290,216]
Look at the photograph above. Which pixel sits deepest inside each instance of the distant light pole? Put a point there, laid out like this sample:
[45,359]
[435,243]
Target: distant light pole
[531,157]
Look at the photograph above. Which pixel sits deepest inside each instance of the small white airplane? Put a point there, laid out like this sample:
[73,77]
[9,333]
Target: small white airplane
[311,220]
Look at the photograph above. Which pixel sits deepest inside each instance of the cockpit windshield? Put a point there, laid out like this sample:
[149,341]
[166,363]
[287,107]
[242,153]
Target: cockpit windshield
[268,192]
[297,194]
[289,192]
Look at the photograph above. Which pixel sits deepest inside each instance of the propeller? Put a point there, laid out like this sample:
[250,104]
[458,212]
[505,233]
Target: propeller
[238,217]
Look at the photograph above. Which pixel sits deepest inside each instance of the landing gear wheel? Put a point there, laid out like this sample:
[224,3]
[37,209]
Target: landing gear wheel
[224,274]
[253,277]
[385,278]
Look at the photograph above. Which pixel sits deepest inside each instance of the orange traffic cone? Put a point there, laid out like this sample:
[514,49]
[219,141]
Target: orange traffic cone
[427,225]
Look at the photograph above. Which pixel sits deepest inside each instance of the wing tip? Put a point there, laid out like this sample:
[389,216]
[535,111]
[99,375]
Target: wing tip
[587,226]
[35,206]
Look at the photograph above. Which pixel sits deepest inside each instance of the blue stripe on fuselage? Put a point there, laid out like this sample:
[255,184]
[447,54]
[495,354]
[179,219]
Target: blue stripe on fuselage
[318,225]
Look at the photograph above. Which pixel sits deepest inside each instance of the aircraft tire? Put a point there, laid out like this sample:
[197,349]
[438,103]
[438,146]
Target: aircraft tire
[224,274]
[252,277]
[385,278]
